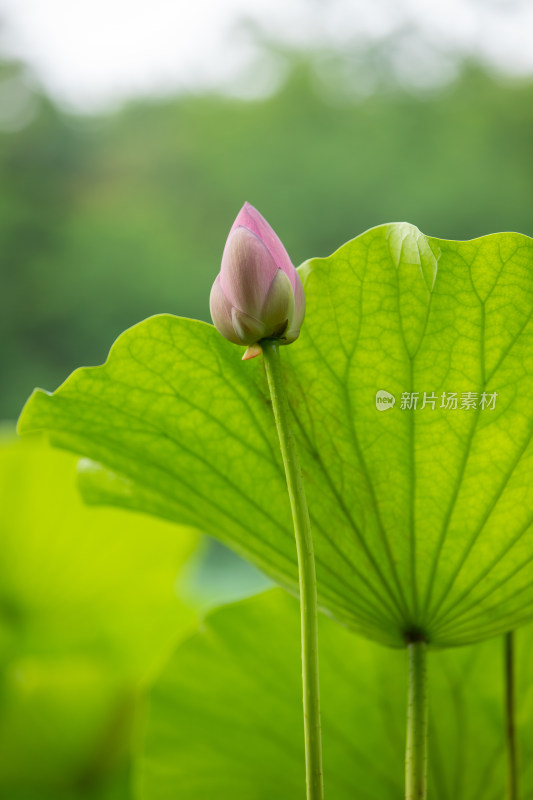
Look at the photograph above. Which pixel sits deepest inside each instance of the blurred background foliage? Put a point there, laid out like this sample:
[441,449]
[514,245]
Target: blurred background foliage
[88,611]
[106,219]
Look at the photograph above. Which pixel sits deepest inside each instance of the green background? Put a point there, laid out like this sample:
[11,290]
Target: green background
[107,220]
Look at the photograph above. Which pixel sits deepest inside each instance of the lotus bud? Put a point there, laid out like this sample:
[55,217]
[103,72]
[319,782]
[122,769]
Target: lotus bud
[257,294]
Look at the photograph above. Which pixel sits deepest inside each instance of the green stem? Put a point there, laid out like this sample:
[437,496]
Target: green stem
[417,724]
[306,565]
[510,727]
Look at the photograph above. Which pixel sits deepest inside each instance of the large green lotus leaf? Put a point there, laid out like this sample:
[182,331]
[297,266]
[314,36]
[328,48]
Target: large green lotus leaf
[236,731]
[88,609]
[422,518]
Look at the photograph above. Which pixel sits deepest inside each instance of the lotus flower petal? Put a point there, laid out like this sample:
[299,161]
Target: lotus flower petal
[299,304]
[249,217]
[278,309]
[249,329]
[247,271]
[220,308]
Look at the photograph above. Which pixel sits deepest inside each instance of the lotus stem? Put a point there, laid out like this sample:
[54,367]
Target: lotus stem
[417,723]
[510,724]
[307,573]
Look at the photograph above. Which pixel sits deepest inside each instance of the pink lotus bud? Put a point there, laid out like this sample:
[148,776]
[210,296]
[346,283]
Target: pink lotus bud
[257,294]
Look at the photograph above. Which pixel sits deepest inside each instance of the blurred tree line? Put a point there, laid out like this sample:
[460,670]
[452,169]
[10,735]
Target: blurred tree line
[106,220]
